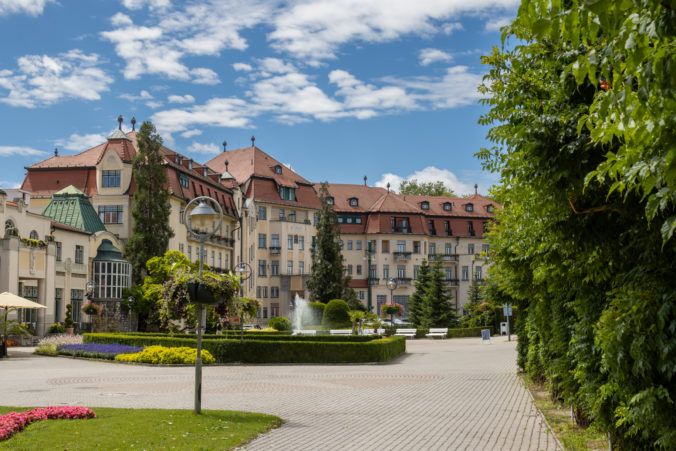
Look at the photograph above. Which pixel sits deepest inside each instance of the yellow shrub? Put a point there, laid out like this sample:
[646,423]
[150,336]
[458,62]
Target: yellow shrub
[164,355]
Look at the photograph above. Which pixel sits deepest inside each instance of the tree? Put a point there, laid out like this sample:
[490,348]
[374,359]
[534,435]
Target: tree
[328,279]
[150,205]
[415,188]
[419,312]
[438,300]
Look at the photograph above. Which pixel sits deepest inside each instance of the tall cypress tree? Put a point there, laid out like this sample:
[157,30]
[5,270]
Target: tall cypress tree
[328,279]
[150,210]
[418,310]
[442,313]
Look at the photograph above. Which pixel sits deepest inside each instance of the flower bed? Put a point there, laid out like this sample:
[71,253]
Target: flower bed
[14,422]
[97,350]
[164,355]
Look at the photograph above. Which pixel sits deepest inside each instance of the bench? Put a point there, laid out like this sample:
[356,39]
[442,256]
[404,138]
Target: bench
[407,332]
[438,332]
[304,332]
[340,331]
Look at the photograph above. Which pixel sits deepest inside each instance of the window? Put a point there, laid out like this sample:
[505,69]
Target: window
[447,228]
[79,254]
[340,243]
[425,205]
[465,273]
[401,246]
[9,224]
[416,270]
[470,249]
[110,214]
[286,193]
[301,267]
[190,253]
[274,292]
[470,228]
[485,247]
[274,240]
[385,247]
[274,268]
[180,247]
[431,227]
[262,240]
[416,247]
[401,271]
[274,309]
[278,169]
[447,273]
[213,259]
[220,258]
[58,294]
[349,270]
[261,268]
[295,239]
[386,272]
[289,242]
[110,179]
[33,235]
[341,219]
[358,242]
[361,294]
[258,292]
[315,219]
[262,213]
[301,242]
[265,292]
[489,208]
[373,271]
[349,245]
[477,272]
[59,247]
[111,278]
[76,300]
[354,202]
[449,249]
[289,267]
[447,206]
[359,270]
[265,312]
[281,214]
[330,200]
[469,207]
[183,180]
[433,248]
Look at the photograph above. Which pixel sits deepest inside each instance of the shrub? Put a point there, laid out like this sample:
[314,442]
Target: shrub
[280,323]
[466,332]
[164,355]
[61,339]
[68,321]
[56,328]
[336,314]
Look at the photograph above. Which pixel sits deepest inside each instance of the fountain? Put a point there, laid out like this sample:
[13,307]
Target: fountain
[302,314]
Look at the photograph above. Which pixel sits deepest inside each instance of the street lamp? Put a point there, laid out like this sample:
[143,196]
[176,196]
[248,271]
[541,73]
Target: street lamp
[89,291]
[202,223]
[392,285]
[243,271]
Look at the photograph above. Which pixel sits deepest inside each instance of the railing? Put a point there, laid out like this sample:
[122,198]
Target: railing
[448,257]
[292,219]
[275,250]
[400,229]
[404,281]
[374,281]
[451,282]
[402,255]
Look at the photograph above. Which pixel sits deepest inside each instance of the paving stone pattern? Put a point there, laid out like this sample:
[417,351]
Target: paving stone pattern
[455,394]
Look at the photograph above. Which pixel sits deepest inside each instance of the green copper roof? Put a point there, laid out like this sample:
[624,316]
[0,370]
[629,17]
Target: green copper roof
[108,252]
[71,206]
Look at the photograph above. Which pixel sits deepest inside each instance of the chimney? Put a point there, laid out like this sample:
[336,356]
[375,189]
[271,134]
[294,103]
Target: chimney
[56,152]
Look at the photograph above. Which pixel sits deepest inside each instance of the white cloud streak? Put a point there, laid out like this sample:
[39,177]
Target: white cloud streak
[181,99]
[429,56]
[208,149]
[13,151]
[427,175]
[30,7]
[81,142]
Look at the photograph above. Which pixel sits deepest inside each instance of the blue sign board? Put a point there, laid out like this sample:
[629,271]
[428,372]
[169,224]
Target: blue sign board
[485,334]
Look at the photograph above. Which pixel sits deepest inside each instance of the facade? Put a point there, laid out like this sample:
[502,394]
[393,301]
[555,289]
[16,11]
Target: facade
[386,235]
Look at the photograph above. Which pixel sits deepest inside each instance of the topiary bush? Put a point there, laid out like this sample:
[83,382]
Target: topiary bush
[281,323]
[336,315]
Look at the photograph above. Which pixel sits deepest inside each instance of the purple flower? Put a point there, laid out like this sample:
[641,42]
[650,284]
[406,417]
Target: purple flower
[97,350]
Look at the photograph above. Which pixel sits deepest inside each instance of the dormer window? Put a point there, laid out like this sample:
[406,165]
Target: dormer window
[330,201]
[190,164]
[489,208]
[206,171]
[179,159]
[354,202]
[447,206]
[278,169]
[425,205]
[469,207]
[286,193]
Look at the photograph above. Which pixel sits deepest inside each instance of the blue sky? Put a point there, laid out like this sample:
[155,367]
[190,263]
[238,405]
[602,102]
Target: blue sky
[337,89]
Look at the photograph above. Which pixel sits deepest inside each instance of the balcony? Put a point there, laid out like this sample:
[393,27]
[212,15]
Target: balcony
[451,282]
[275,250]
[373,281]
[401,229]
[448,258]
[292,219]
[402,255]
[404,281]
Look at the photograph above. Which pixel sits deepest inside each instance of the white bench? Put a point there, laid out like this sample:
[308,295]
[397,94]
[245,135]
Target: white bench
[406,332]
[340,331]
[438,332]
[304,332]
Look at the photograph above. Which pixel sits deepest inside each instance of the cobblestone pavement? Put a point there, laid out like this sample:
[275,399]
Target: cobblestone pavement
[442,395]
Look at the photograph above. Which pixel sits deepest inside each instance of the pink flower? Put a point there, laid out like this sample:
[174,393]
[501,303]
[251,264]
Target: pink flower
[14,422]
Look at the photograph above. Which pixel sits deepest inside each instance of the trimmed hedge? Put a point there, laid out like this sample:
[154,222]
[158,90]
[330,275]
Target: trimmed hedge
[266,336]
[466,332]
[284,350]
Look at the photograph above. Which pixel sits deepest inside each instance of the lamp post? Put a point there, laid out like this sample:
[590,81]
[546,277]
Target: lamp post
[392,285]
[89,290]
[202,223]
[243,271]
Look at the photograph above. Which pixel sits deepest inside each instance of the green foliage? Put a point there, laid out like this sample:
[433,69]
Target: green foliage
[314,314]
[281,323]
[415,188]
[328,279]
[420,312]
[12,327]
[68,320]
[430,304]
[582,115]
[56,328]
[150,205]
[167,356]
[464,332]
[287,349]
[336,314]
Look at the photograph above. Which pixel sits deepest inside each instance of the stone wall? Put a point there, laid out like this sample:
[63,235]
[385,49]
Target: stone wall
[114,317]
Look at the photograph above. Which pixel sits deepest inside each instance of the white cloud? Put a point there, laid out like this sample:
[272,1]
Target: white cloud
[81,142]
[191,133]
[181,99]
[143,95]
[314,29]
[497,23]
[366,97]
[9,185]
[152,4]
[427,175]
[204,148]
[243,67]
[154,104]
[30,7]
[204,76]
[275,66]
[10,151]
[429,56]
[44,80]
[449,28]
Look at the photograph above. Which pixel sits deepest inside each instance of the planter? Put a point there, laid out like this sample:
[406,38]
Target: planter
[200,293]
[70,330]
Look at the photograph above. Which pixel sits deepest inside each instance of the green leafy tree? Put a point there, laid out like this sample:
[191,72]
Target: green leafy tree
[413,187]
[419,312]
[328,279]
[438,299]
[150,206]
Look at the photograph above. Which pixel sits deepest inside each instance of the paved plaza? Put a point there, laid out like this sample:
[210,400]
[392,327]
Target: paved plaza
[455,394]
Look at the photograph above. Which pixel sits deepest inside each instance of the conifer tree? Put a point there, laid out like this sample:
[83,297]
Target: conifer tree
[150,206]
[418,311]
[328,279]
[442,313]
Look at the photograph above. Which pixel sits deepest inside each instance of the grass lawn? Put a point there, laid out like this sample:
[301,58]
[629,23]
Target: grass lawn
[143,429]
[571,436]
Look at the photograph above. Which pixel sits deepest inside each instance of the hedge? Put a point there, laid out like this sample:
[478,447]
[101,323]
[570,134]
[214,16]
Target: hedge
[266,336]
[284,350]
[466,332]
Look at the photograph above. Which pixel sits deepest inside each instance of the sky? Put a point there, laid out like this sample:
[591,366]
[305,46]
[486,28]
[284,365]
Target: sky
[335,89]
